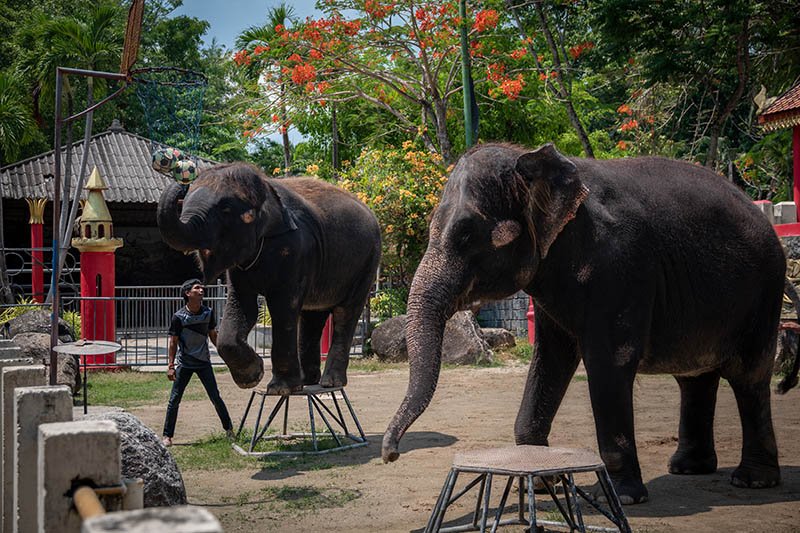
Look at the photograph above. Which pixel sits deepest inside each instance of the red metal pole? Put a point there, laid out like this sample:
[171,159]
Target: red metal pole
[37,262]
[531,323]
[796,166]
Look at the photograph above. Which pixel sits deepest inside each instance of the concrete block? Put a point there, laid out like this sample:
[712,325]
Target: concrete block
[9,351]
[86,450]
[11,378]
[6,363]
[33,406]
[766,207]
[179,519]
[785,213]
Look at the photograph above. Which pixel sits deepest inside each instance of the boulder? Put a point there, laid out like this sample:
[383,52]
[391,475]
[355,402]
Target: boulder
[143,456]
[498,337]
[463,341]
[37,347]
[389,340]
[38,321]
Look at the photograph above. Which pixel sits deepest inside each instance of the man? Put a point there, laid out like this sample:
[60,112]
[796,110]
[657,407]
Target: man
[191,327]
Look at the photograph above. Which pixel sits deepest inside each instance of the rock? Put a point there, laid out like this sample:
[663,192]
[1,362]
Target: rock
[498,337]
[38,321]
[389,340]
[37,347]
[143,456]
[463,341]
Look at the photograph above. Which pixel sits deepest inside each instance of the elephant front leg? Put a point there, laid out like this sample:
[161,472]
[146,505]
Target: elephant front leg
[611,392]
[554,362]
[695,454]
[245,365]
[286,374]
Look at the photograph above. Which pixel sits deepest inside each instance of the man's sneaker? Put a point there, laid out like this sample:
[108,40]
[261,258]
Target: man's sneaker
[166,441]
[229,433]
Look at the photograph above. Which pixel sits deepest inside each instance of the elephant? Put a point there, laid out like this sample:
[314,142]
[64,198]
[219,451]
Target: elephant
[309,247]
[634,265]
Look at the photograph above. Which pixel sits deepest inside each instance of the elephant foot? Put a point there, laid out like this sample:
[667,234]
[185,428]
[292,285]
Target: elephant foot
[248,376]
[333,379]
[284,386]
[311,378]
[629,492]
[684,463]
[756,478]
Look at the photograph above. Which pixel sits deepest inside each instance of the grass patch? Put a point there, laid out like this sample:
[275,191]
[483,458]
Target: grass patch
[522,351]
[214,452]
[373,364]
[131,388]
[307,498]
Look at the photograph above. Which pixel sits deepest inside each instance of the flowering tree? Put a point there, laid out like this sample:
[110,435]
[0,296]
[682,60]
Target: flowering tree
[400,56]
[401,186]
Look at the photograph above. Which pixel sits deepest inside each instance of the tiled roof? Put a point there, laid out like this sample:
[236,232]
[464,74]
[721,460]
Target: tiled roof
[122,158]
[783,112]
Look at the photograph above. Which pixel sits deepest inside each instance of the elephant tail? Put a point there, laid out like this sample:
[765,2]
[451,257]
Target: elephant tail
[790,379]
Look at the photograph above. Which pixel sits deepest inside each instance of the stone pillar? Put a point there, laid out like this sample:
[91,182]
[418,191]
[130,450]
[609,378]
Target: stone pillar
[179,519]
[86,450]
[33,406]
[97,245]
[11,378]
[36,207]
[8,362]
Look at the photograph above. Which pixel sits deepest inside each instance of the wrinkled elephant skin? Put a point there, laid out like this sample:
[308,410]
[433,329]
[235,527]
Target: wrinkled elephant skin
[636,265]
[310,248]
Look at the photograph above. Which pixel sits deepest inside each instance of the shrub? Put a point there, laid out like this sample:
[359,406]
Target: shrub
[402,187]
[389,303]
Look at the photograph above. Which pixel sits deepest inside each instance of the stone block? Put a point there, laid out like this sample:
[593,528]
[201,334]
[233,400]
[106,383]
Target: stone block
[85,450]
[11,378]
[785,213]
[181,519]
[33,406]
[766,207]
[4,363]
[10,351]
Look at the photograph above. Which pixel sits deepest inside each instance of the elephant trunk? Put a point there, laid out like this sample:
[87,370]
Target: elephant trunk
[180,233]
[430,303]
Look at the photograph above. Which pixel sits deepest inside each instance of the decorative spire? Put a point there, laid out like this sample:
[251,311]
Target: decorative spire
[97,230]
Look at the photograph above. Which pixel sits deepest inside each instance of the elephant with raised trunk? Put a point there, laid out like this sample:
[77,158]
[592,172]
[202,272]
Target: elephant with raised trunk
[634,265]
[309,247]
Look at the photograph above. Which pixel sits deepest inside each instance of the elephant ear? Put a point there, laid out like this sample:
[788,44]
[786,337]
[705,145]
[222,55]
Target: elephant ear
[278,215]
[555,193]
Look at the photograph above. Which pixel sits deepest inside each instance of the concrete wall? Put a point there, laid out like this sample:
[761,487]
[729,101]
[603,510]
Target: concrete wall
[510,314]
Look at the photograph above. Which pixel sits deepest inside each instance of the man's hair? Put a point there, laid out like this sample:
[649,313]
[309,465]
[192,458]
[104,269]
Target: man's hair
[187,286]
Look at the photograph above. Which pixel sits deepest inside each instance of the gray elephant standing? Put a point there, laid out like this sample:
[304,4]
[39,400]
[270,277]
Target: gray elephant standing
[635,265]
[309,247]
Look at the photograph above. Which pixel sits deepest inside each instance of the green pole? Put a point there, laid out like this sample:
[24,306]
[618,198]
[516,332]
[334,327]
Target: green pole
[462,9]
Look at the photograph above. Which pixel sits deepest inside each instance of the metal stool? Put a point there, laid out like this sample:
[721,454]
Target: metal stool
[315,403]
[525,463]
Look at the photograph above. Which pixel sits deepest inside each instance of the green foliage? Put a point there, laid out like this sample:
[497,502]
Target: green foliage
[73,318]
[17,127]
[402,187]
[389,303]
[23,306]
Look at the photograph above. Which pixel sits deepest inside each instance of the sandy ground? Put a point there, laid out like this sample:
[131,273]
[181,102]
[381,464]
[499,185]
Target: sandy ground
[352,490]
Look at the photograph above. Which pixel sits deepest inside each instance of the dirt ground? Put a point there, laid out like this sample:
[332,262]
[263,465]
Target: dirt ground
[473,409]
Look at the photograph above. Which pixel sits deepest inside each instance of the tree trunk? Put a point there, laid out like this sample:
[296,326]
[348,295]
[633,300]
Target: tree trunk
[334,140]
[743,72]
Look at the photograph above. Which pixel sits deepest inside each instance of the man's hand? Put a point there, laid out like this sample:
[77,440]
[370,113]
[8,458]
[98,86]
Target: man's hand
[171,373]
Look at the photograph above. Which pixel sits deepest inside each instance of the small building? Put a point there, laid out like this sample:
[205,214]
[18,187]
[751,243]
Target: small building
[124,161]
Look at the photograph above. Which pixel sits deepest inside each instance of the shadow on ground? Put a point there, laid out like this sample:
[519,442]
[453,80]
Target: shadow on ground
[282,467]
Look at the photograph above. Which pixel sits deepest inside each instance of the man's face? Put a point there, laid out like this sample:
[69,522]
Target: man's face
[195,293]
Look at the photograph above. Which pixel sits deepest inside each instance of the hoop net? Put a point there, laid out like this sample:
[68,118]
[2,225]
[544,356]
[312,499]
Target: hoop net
[172,99]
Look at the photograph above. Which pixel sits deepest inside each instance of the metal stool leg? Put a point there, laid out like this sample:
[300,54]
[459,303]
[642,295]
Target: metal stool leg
[613,500]
[576,503]
[502,505]
[531,505]
[446,499]
[244,416]
[486,495]
[438,507]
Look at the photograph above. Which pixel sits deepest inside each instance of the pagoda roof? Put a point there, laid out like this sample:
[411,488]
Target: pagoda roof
[783,112]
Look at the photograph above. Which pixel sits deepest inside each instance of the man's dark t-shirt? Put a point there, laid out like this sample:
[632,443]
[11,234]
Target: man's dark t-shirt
[192,332]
